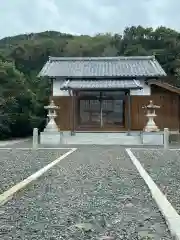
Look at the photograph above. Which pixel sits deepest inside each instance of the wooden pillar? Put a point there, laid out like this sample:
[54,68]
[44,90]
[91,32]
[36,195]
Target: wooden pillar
[179,112]
[51,80]
[74,111]
[129,113]
[101,117]
[72,114]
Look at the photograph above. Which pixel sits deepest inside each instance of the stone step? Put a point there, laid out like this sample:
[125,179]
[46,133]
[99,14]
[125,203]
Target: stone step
[101,140]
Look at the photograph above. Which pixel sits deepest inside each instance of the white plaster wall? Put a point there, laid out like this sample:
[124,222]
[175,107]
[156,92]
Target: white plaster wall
[56,88]
[146,91]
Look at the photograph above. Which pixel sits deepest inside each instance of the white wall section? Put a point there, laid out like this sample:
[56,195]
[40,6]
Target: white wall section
[146,91]
[56,88]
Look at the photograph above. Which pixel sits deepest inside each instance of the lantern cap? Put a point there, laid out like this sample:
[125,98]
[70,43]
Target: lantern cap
[151,105]
[51,106]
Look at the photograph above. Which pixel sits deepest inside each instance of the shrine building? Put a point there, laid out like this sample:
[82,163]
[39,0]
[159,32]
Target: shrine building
[109,93]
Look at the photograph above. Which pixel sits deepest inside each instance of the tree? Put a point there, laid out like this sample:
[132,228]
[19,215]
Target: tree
[12,88]
[177,75]
[23,95]
[17,103]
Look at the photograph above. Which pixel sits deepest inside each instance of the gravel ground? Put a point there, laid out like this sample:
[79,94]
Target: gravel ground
[163,166]
[16,165]
[95,193]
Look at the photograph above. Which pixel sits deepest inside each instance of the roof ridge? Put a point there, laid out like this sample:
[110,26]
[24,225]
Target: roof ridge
[101,58]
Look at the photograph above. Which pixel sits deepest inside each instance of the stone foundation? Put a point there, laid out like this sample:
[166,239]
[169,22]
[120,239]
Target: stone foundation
[152,138]
[50,138]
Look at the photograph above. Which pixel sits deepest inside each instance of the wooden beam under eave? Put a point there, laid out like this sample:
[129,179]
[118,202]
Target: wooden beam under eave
[51,89]
[166,86]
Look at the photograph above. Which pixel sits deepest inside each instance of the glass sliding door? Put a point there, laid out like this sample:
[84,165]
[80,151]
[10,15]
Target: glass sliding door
[113,108]
[113,112]
[101,109]
[89,112]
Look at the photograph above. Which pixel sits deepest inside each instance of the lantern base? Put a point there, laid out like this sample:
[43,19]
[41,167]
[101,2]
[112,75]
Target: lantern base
[51,126]
[151,125]
[151,129]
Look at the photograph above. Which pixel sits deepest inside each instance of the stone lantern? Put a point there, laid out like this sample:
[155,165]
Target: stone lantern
[51,126]
[51,134]
[151,114]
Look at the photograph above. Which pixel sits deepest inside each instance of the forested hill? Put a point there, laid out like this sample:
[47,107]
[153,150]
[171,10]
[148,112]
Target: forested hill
[22,95]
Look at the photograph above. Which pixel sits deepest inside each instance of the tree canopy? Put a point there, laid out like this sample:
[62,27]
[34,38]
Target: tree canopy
[23,95]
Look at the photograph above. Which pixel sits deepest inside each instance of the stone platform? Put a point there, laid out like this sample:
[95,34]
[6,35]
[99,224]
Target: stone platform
[101,138]
[50,138]
[152,138]
[136,138]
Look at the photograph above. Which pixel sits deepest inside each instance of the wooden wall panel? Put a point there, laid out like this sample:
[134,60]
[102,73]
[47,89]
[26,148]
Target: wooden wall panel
[167,115]
[63,119]
[126,111]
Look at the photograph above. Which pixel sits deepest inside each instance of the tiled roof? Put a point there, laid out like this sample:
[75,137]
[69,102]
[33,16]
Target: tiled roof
[101,84]
[73,67]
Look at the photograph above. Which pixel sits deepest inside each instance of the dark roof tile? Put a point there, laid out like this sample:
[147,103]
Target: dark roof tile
[146,66]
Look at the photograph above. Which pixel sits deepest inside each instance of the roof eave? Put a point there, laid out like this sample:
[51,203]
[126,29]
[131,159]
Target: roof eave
[166,86]
[103,77]
[78,89]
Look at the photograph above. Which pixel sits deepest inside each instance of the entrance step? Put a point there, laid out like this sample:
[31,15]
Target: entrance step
[102,139]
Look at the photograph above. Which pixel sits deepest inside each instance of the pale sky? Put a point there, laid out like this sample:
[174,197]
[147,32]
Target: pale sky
[85,16]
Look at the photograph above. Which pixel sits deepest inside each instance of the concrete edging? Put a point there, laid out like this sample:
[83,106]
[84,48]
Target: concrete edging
[65,148]
[172,218]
